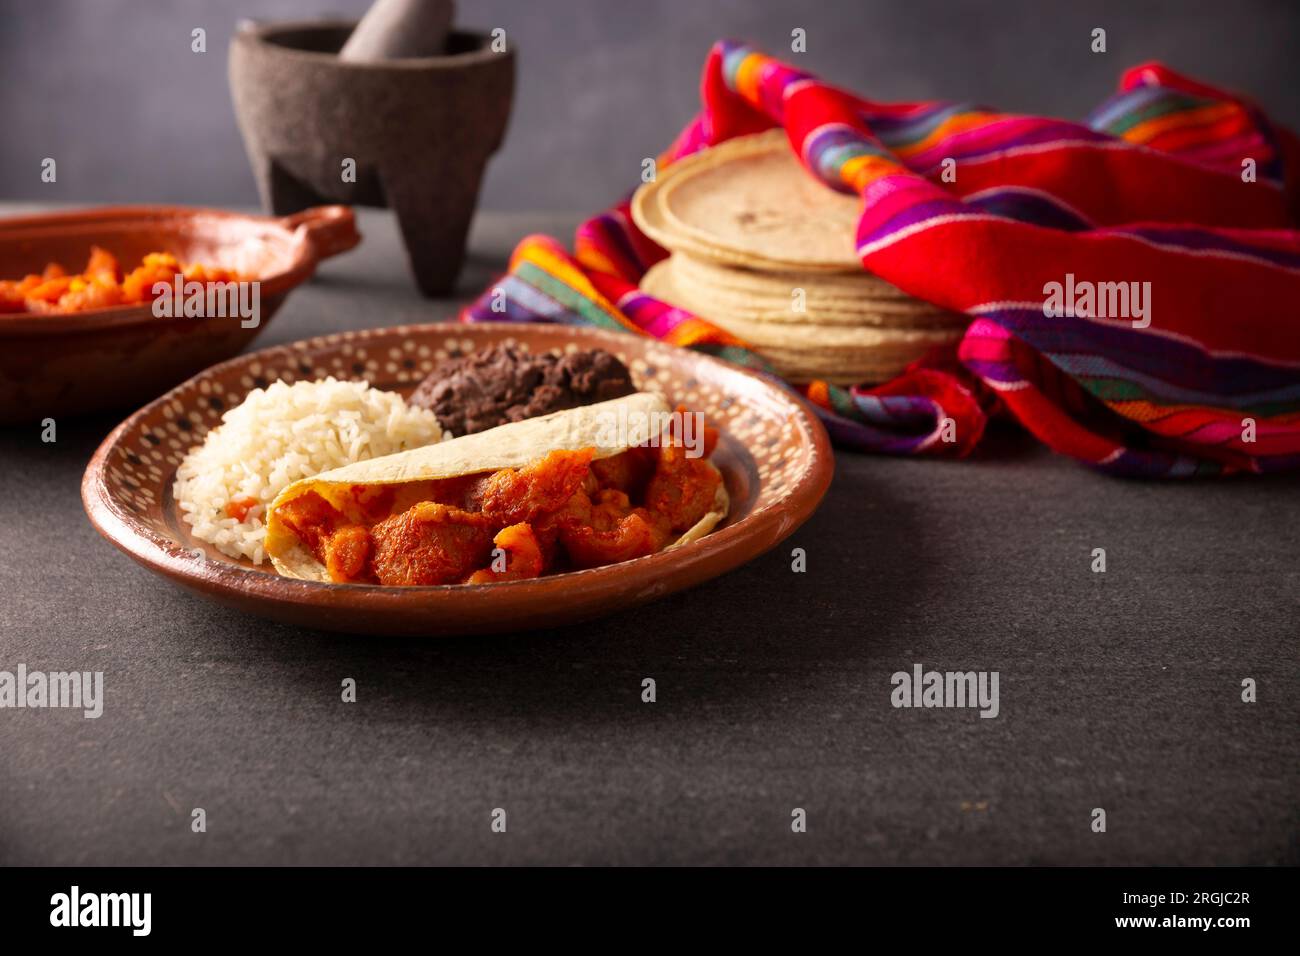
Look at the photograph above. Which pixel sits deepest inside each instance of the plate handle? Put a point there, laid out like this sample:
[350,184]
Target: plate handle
[329,229]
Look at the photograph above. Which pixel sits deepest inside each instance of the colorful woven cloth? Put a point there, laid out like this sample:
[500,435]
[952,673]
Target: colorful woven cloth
[1169,182]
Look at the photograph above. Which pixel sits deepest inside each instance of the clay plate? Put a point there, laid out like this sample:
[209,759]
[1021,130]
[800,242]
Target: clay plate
[66,364]
[773,453]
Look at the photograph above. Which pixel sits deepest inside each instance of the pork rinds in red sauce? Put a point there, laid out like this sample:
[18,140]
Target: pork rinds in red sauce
[565,510]
[102,283]
[522,553]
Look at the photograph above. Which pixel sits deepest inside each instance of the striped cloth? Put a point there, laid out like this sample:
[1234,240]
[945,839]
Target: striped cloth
[1170,182]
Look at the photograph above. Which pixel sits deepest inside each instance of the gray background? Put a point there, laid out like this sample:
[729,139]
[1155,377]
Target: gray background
[111,90]
[1118,690]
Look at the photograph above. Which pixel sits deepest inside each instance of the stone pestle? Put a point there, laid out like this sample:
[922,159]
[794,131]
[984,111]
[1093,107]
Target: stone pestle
[400,29]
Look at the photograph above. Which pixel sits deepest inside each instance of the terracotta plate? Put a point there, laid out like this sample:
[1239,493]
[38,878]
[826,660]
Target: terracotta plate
[773,452]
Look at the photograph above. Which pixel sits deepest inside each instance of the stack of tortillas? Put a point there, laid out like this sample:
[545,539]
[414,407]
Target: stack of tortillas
[765,251]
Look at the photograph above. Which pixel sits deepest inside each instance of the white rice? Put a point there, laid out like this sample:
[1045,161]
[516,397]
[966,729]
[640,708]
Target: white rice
[280,434]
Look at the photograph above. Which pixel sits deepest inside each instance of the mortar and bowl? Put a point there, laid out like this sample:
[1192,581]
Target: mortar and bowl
[410,133]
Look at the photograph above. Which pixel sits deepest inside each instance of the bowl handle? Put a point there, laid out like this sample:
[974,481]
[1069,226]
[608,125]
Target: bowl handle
[329,229]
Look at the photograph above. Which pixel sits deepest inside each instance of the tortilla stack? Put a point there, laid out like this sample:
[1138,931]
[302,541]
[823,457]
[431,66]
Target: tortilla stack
[607,427]
[765,251]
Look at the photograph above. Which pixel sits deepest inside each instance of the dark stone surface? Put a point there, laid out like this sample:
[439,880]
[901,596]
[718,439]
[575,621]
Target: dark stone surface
[1119,690]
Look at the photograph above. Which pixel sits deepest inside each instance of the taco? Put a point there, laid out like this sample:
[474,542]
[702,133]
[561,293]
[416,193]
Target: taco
[575,489]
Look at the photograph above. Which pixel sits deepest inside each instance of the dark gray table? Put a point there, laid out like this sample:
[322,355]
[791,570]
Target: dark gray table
[1118,690]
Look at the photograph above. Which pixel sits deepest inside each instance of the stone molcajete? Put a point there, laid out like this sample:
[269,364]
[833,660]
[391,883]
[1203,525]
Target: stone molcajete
[411,134]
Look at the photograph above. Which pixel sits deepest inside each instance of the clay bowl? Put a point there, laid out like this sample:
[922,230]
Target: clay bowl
[773,453]
[65,364]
